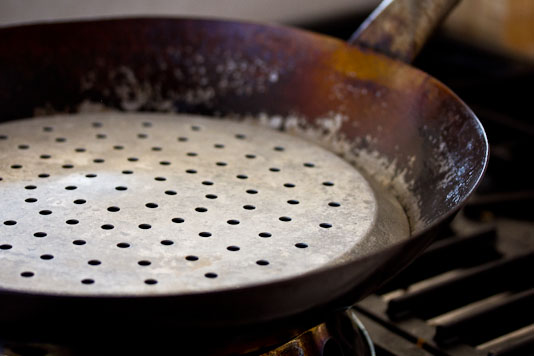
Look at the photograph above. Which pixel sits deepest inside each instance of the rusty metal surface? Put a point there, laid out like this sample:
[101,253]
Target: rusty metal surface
[397,124]
[371,103]
[400,28]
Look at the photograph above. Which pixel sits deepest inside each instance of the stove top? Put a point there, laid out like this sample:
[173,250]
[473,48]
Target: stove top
[469,292]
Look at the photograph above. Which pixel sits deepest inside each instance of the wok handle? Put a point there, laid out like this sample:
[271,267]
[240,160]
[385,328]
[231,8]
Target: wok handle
[400,28]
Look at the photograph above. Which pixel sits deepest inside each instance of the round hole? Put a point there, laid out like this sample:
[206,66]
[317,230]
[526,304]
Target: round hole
[301,245]
[123,245]
[328,184]
[325,225]
[70,187]
[249,207]
[45,212]
[241,176]
[233,222]
[80,201]
[191,258]
[151,205]
[204,234]
[23,147]
[167,242]
[61,139]
[210,275]
[309,165]
[289,185]
[250,156]
[101,136]
[30,200]
[107,227]
[170,192]
[98,160]
[211,196]
[118,147]
[16,166]
[191,171]
[114,209]
[265,234]
[195,128]
[43,175]
[5,247]
[334,204]
[30,187]
[160,179]
[48,129]
[156,148]
[94,262]
[192,154]
[121,188]
[88,281]
[150,281]
[207,182]
[79,242]
[133,159]
[91,175]
[46,257]
[67,166]
[145,226]
[182,139]
[274,169]
[233,248]
[127,171]
[96,124]
[142,135]
[218,145]
[147,124]
[252,191]
[240,136]
[221,164]
[3,137]
[293,202]
[79,149]
[40,234]
[201,209]
[279,148]
[177,220]
[284,218]
[72,221]
[27,274]
[262,262]
[165,163]
[144,263]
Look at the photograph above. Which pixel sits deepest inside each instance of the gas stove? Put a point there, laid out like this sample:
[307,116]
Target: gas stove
[470,292]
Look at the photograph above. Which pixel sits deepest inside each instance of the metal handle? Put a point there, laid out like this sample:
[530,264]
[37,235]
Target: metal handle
[399,28]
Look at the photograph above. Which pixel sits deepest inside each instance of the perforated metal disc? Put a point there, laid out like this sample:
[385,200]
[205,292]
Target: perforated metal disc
[147,204]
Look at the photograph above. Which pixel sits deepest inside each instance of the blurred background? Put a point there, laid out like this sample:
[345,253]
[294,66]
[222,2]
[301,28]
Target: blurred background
[502,25]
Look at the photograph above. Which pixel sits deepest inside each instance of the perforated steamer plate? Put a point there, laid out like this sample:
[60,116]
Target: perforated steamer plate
[143,204]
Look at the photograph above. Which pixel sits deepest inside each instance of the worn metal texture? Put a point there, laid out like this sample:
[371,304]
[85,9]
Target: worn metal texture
[404,129]
[147,204]
[400,28]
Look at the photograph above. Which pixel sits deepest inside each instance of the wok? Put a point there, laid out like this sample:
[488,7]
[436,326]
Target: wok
[398,125]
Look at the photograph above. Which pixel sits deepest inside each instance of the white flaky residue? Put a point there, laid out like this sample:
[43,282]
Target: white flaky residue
[375,165]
